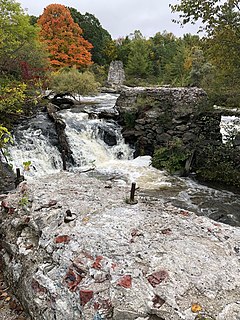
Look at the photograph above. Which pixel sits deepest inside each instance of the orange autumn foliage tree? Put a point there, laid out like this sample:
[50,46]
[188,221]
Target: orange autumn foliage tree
[63,39]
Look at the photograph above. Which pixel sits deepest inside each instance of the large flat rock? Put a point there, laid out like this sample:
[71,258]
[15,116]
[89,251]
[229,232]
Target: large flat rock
[115,260]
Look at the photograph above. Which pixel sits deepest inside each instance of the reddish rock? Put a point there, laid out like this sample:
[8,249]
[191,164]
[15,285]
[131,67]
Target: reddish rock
[158,302]
[62,239]
[11,210]
[114,266]
[37,288]
[157,277]
[125,282]
[6,205]
[85,296]
[72,280]
[27,219]
[103,304]
[97,263]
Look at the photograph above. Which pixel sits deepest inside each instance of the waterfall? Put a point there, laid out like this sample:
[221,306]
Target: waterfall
[98,148]
[35,145]
[229,128]
[86,138]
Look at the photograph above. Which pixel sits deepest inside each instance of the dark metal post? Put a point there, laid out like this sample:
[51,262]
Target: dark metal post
[18,173]
[64,160]
[132,193]
[19,178]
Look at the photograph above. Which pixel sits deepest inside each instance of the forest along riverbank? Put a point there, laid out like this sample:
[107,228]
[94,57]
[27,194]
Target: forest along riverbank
[79,250]
[97,145]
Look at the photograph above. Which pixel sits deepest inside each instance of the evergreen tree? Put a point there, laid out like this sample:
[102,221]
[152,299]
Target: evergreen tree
[138,64]
[94,33]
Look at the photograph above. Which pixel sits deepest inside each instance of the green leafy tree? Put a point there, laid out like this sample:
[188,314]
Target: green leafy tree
[15,32]
[171,58]
[123,49]
[138,64]
[214,14]
[163,47]
[5,137]
[33,20]
[220,21]
[94,33]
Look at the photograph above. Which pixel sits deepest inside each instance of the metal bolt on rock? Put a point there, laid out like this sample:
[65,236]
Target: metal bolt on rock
[132,194]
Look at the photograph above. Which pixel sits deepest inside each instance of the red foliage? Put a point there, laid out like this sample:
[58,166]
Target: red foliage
[63,39]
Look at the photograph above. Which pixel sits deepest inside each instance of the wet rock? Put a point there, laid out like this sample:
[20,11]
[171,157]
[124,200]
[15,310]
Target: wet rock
[108,136]
[7,177]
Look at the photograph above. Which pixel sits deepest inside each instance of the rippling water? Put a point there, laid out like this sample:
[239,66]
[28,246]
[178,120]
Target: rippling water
[87,135]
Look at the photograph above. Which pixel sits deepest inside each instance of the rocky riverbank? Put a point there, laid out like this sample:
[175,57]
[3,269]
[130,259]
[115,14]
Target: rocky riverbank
[74,248]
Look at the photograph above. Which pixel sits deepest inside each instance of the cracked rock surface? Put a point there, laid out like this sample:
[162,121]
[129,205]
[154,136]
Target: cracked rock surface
[113,260]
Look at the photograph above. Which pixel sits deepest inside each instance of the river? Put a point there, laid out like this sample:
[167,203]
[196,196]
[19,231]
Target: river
[99,149]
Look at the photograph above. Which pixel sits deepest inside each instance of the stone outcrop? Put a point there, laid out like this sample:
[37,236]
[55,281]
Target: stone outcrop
[116,74]
[181,130]
[7,177]
[74,249]
[60,126]
[154,117]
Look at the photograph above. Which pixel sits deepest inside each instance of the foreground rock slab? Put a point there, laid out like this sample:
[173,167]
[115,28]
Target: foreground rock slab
[74,249]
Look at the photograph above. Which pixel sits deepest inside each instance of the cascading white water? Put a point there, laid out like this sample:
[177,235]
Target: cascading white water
[229,127]
[84,136]
[33,147]
[87,135]
[86,139]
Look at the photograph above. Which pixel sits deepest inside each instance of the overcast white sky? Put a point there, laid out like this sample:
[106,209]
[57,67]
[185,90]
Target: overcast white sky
[122,17]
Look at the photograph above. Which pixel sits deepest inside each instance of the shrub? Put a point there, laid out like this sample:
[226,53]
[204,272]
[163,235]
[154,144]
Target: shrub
[171,158]
[218,164]
[73,82]
[12,96]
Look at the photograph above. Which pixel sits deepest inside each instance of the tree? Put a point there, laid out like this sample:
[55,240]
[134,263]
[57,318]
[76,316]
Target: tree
[163,47]
[221,23]
[22,63]
[138,60]
[63,38]
[214,14]
[123,49]
[94,33]
[15,32]
[201,71]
